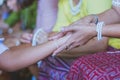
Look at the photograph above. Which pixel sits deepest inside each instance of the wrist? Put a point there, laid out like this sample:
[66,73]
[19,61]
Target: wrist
[94,18]
[99,30]
[94,32]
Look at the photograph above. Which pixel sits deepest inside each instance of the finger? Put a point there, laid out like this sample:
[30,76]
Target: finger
[69,28]
[92,24]
[58,50]
[27,36]
[72,46]
[25,41]
[63,44]
[59,35]
[31,35]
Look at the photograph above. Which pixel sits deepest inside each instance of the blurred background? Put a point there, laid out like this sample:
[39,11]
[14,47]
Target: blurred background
[17,17]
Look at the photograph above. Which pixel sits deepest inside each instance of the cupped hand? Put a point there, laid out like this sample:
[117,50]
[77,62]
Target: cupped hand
[26,38]
[81,34]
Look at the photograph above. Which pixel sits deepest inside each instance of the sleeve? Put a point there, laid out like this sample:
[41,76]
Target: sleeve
[116,3]
[3,48]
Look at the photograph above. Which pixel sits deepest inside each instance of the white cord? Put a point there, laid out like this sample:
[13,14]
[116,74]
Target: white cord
[75,9]
[56,44]
[41,34]
[99,30]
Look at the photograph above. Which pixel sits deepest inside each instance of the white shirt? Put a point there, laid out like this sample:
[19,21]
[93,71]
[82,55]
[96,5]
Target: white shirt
[116,3]
[3,48]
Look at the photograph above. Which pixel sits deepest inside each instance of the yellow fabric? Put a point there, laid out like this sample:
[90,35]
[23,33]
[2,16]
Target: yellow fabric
[114,42]
[98,6]
[88,7]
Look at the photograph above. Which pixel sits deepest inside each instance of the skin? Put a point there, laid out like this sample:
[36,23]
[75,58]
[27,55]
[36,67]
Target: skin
[24,55]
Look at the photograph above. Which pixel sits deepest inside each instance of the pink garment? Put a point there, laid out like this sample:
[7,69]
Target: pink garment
[99,66]
[46,14]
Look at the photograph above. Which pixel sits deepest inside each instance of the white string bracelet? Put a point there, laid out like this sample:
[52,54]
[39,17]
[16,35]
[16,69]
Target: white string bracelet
[39,37]
[56,44]
[99,30]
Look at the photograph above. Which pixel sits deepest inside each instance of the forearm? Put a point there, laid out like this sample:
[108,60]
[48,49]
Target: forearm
[20,57]
[110,16]
[92,46]
[112,30]
[47,14]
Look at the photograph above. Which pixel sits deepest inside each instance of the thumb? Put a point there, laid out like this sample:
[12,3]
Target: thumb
[68,29]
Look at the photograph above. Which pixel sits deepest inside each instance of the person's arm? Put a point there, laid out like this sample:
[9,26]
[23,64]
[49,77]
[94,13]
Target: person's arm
[23,56]
[46,14]
[90,47]
[110,16]
[112,30]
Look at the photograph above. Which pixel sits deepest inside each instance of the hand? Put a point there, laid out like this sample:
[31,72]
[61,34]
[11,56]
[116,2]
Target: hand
[26,38]
[85,20]
[11,42]
[60,42]
[81,34]
[88,19]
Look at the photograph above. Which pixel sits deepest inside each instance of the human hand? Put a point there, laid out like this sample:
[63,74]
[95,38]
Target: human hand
[26,38]
[81,34]
[11,42]
[60,42]
[88,19]
[85,20]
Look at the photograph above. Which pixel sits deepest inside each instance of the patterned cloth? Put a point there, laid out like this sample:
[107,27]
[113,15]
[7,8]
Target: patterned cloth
[53,68]
[99,66]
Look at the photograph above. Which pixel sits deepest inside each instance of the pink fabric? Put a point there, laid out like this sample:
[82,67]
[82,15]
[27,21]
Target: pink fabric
[46,14]
[100,66]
